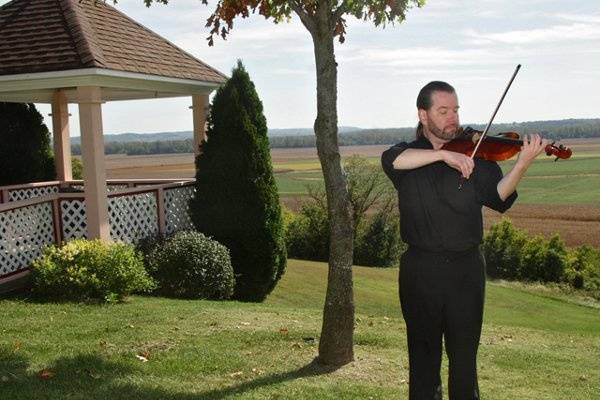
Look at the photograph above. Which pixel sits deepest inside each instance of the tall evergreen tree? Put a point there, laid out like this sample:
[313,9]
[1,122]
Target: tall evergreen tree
[25,152]
[236,199]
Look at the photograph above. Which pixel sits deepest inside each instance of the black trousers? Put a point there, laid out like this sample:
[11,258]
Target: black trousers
[442,295]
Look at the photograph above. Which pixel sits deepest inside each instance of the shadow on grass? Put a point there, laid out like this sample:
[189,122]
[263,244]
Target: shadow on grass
[29,296]
[311,369]
[89,376]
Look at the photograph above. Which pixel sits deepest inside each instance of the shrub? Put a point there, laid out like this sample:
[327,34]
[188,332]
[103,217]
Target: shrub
[236,200]
[192,265]
[502,247]
[307,235]
[148,244]
[378,244]
[543,260]
[29,156]
[582,269]
[90,269]
[76,168]
[577,262]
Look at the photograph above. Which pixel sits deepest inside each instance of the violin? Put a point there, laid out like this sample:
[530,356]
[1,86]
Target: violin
[496,148]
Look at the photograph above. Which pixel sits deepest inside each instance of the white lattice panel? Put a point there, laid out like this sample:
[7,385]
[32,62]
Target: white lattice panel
[177,209]
[23,233]
[30,193]
[74,222]
[133,217]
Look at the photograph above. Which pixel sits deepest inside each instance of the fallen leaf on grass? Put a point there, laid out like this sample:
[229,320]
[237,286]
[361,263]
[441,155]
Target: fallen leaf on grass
[18,345]
[284,331]
[46,374]
[4,378]
[141,358]
[236,374]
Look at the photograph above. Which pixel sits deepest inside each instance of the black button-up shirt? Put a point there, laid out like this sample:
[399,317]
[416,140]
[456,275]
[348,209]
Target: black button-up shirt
[435,215]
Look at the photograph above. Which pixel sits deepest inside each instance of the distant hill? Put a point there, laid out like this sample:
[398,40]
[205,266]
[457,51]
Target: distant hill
[181,142]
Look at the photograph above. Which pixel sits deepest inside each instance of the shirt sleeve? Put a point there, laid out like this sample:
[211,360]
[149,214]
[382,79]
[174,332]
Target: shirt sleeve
[487,187]
[387,163]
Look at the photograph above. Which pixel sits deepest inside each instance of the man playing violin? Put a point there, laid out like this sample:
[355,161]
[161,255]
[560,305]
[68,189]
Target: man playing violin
[442,274]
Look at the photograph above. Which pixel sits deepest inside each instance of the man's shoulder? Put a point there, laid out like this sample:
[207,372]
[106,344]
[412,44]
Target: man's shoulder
[418,143]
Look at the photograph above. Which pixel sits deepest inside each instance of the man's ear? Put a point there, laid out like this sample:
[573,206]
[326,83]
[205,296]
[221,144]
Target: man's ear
[422,116]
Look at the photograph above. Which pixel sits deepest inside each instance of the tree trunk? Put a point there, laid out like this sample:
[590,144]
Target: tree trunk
[336,344]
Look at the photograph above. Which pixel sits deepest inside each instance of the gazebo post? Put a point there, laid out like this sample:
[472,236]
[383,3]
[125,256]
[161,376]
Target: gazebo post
[94,172]
[199,109]
[60,132]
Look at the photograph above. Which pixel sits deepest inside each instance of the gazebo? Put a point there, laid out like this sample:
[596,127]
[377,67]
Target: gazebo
[86,52]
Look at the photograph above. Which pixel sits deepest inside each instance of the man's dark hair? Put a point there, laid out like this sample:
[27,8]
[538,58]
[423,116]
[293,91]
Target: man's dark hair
[424,98]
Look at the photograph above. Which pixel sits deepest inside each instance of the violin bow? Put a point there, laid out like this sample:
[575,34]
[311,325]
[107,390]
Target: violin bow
[487,128]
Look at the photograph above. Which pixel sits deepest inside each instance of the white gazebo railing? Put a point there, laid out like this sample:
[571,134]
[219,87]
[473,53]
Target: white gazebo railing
[35,215]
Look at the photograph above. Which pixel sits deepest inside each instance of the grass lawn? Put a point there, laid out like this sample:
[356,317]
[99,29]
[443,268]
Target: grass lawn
[534,346]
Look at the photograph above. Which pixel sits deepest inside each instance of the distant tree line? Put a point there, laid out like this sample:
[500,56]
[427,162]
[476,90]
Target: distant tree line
[139,148]
[555,130]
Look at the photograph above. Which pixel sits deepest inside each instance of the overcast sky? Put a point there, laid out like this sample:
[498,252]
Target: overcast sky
[472,44]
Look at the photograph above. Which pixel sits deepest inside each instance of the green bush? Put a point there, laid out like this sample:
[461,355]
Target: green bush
[148,244]
[26,154]
[192,265]
[582,269]
[591,275]
[502,246]
[236,200]
[543,260]
[76,168]
[90,269]
[378,244]
[307,234]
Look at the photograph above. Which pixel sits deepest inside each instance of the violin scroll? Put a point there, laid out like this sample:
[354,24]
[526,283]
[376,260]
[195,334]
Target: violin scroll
[559,151]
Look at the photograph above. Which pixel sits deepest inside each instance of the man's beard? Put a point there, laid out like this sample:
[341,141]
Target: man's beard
[440,133]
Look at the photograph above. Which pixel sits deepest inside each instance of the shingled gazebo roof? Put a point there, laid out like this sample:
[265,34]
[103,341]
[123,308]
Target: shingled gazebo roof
[47,44]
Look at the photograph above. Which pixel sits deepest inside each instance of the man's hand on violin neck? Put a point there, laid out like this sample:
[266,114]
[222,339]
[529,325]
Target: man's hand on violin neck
[533,145]
[459,162]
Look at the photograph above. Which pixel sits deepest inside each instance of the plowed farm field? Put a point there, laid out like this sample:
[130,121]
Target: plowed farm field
[554,197]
